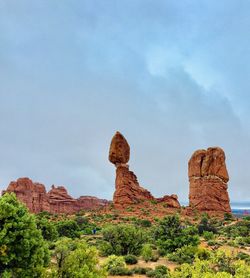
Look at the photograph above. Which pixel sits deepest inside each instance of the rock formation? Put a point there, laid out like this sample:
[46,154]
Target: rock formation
[57,200]
[208,179]
[127,188]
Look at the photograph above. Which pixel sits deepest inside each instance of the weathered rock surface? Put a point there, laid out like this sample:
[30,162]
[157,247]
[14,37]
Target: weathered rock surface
[57,200]
[127,188]
[208,179]
[171,201]
[119,151]
[128,191]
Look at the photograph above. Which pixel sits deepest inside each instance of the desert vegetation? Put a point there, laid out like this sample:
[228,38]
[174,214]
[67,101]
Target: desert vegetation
[92,245]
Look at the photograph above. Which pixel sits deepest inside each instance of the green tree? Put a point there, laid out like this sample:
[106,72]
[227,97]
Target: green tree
[68,228]
[171,235]
[48,229]
[122,240]
[23,250]
[75,259]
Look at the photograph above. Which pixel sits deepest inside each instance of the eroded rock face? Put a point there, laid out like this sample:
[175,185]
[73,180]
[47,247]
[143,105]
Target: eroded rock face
[57,200]
[90,202]
[33,195]
[171,201]
[127,188]
[128,191]
[208,179]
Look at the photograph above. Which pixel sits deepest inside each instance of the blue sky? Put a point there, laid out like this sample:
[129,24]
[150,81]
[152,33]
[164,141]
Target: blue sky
[172,76]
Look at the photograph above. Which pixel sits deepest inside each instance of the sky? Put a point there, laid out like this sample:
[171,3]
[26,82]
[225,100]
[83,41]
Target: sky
[171,76]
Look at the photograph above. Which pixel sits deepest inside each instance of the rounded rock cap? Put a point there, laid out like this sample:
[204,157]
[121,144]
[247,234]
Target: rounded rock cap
[119,151]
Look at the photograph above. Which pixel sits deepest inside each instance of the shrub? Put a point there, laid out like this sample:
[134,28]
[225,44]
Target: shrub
[161,271]
[185,254]
[203,254]
[228,216]
[170,235]
[121,271]
[144,223]
[123,239]
[141,270]
[147,252]
[23,251]
[114,261]
[48,229]
[208,235]
[76,259]
[206,224]
[131,259]
[68,228]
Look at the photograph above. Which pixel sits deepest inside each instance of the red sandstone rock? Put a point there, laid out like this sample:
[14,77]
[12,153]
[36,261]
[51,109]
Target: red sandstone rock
[127,189]
[119,151]
[57,200]
[208,179]
[171,201]
[91,203]
[33,195]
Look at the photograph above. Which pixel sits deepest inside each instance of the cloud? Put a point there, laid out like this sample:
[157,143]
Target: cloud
[171,77]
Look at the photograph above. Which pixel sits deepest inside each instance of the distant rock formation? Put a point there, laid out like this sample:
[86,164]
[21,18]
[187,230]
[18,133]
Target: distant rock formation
[127,188]
[208,179]
[57,200]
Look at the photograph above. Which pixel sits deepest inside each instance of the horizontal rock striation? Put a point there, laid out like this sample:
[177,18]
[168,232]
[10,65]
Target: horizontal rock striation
[208,179]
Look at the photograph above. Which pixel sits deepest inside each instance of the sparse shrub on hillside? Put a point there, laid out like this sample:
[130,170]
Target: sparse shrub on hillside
[228,216]
[23,251]
[206,224]
[144,223]
[208,235]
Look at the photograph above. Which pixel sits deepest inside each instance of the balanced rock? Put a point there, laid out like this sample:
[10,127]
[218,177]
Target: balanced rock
[208,179]
[127,188]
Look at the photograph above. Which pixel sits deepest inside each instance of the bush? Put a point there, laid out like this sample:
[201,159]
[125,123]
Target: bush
[114,261]
[171,235]
[141,270]
[185,254]
[68,228]
[206,224]
[147,252]
[203,254]
[208,235]
[121,271]
[76,259]
[161,271]
[131,259]
[23,251]
[122,240]
[48,229]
